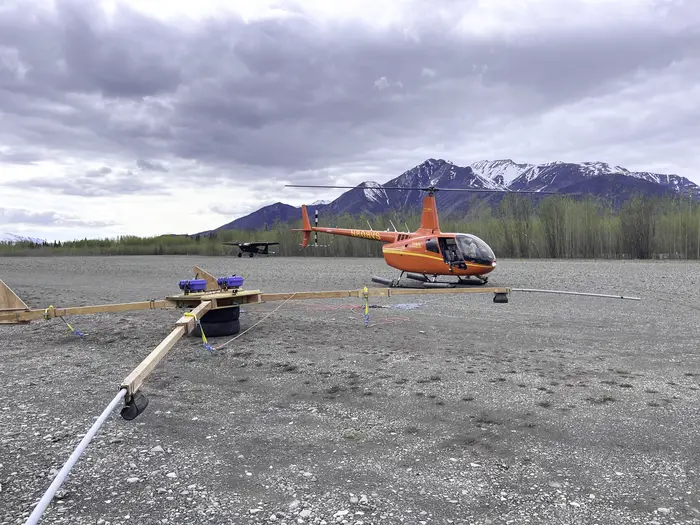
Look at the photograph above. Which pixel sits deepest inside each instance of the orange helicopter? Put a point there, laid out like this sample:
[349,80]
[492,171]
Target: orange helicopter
[426,253]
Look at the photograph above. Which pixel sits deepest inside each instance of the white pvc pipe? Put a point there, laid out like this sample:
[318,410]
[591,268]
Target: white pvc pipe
[61,476]
[576,293]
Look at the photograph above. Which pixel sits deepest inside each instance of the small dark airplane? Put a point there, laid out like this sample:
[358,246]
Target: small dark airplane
[251,248]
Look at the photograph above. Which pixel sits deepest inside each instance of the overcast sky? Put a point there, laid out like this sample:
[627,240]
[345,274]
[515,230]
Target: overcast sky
[167,116]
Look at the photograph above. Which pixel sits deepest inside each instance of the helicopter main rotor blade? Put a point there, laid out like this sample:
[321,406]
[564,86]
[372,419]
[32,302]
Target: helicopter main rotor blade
[429,188]
[319,186]
[486,190]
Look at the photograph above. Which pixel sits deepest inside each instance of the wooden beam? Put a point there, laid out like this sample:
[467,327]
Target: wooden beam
[333,294]
[29,315]
[389,292]
[231,296]
[11,304]
[375,292]
[184,325]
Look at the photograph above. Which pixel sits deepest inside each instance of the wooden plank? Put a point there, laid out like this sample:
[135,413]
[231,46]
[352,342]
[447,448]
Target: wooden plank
[10,303]
[333,294]
[183,326]
[243,296]
[87,310]
[9,300]
[136,378]
[200,273]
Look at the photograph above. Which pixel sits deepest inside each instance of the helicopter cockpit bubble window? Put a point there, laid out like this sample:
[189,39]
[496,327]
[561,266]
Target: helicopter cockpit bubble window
[474,249]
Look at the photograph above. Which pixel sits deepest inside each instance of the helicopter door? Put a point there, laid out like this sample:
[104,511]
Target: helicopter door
[451,253]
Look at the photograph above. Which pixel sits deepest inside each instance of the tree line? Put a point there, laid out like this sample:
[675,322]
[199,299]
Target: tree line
[557,227]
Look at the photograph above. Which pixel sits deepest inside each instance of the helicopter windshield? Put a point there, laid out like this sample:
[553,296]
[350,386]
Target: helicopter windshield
[474,249]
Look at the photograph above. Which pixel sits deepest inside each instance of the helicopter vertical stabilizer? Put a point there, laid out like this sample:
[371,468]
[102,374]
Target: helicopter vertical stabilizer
[429,222]
[305,226]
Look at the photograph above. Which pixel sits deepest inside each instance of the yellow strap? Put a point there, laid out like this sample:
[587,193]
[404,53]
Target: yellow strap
[201,328]
[46,312]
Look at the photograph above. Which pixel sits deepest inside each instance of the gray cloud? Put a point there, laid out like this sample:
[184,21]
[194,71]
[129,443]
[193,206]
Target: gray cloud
[15,216]
[102,182]
[26,158]
[292,95]
[151,166]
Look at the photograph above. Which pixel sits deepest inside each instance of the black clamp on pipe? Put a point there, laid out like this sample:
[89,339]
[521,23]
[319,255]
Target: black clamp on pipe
[500,297]
[135,405]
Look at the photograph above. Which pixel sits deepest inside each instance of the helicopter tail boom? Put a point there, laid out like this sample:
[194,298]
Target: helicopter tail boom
[374,235]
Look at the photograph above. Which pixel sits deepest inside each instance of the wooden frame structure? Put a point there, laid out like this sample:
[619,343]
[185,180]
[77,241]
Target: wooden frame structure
[14,311]
[10,303]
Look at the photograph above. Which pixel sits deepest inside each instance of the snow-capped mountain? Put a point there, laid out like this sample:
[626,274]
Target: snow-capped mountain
[374,192]
[553,176]
[556,175]
[615,183]
[502,172]
[678,183]
[12,239]
[378,198]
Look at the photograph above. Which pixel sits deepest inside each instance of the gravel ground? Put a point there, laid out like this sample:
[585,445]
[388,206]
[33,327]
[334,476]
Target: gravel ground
[549,409]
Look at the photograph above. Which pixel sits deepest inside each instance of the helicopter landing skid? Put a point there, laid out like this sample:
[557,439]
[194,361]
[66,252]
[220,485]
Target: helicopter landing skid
[395,283]
[476,280]
[424,281]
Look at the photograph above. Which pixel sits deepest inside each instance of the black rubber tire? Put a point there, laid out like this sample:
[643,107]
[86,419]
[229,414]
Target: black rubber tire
[250,254]
[240,254]
[222,315]
[217,329]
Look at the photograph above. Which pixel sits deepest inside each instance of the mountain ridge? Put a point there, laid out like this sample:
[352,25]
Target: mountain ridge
[590,177]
